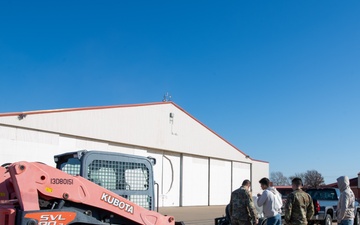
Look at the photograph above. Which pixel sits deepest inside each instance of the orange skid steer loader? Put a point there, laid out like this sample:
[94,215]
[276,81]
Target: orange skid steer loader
[86,188]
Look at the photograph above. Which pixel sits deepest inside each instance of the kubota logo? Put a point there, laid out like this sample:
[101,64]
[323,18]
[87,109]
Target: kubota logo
[117,203]
[52,218]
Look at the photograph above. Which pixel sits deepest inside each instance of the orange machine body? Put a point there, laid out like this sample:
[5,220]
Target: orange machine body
[38,194]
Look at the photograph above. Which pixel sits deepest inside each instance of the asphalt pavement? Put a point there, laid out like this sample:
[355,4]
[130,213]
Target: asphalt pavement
[196,215]
[199,215]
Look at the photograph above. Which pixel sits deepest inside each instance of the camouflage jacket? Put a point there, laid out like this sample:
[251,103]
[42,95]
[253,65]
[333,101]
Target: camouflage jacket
[242,206]
[299,208]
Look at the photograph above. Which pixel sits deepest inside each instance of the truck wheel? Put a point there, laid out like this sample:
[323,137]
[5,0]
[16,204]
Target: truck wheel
[327,220]
[357,218]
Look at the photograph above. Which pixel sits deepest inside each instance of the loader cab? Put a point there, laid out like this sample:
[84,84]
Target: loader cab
[129,176]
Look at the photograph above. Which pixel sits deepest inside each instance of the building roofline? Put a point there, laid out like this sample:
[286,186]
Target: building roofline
[350,181]
[282,186]
[25,113]
[216,133]
[78,109]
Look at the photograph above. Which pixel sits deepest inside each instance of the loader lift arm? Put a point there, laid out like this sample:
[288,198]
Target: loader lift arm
[37,194]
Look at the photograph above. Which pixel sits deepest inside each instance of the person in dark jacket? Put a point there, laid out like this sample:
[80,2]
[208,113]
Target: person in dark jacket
[242,209]
[299,206]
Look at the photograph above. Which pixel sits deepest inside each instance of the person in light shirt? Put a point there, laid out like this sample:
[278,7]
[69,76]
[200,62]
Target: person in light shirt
[346,205]
[271,202]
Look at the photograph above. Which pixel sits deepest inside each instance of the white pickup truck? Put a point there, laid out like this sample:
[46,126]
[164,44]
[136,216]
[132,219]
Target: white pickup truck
[325,203]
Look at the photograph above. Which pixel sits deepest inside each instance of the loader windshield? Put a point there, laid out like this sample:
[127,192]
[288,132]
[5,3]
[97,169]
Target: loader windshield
[129,176]
[126,177]
[117,175]
[71,166]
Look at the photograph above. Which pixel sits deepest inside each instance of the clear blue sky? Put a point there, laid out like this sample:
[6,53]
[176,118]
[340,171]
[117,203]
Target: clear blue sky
[278,79]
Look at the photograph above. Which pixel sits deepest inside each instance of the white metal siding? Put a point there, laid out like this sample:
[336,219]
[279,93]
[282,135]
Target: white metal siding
[167,175]
[26,145]
[149,126]
[220,182]
[146,130]
[241,172]
[259,170]
[171,180]
[195,181]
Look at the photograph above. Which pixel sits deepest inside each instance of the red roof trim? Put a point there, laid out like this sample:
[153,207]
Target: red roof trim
[215,133]
[121,106]
[352,182]
[282,186]
[78,109]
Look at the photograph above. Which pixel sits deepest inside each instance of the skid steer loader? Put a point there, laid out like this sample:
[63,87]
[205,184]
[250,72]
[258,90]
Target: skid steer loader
[85,188]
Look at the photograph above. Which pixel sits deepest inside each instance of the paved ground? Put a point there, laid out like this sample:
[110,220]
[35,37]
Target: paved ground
[201,215]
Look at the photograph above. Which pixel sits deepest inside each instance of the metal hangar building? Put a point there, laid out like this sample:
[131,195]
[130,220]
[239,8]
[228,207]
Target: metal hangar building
[195,166]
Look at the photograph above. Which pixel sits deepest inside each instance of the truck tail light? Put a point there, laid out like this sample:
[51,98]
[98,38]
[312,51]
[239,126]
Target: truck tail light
[316,206]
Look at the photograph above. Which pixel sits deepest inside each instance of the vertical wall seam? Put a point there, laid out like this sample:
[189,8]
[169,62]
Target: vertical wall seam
[209,181]
[232,176]
[181,180]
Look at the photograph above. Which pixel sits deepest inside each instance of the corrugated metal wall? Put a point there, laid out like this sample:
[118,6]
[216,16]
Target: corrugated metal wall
[194,166]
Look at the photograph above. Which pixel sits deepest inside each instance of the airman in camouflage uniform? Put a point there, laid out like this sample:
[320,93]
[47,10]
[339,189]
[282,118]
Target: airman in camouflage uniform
[242,209]
[299,206]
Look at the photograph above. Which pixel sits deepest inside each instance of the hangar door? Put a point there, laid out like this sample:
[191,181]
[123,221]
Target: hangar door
[241,171]
[170,184]
[166,176]
[220,182]
[195,181]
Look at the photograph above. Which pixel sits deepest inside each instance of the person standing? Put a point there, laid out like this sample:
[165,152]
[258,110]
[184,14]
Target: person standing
[241,209]
[346,203]
[271,202]
[299,207]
